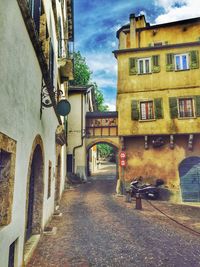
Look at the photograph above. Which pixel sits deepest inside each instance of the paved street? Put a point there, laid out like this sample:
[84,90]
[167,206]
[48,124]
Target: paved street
[99,229]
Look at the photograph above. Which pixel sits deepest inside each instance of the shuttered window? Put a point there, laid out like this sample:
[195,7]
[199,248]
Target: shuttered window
[144,65]
[51,63]
[134,110]
[186,107]
[146,110]
[132,66]
[156,63]
[158,106]
[170,62]
[35,11]
[181,62]
[173,107]
[194,59]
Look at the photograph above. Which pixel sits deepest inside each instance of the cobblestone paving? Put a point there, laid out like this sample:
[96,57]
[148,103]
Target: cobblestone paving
[99,229]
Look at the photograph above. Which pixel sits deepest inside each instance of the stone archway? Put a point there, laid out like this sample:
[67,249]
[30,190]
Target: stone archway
[35,190]
[110,142]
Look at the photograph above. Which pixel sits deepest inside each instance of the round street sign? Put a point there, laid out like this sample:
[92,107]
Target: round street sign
[122,162]
[122,155]
[63,107]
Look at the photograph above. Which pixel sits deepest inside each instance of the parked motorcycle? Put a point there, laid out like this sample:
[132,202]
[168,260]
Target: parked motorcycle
[147,191]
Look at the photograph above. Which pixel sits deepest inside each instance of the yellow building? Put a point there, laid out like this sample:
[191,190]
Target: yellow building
[158,103]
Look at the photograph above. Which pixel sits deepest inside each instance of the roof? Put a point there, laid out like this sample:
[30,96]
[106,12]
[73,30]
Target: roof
[168,24]
[80,89]
[106,114]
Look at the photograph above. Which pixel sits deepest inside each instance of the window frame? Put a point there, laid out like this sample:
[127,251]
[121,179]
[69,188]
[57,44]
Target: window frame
[181,62]
[144,65]
[153,110]
[193,107]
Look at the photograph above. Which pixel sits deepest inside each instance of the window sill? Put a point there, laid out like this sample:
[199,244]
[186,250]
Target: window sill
[144,73]
[147,120]
[181,70]
[186,118]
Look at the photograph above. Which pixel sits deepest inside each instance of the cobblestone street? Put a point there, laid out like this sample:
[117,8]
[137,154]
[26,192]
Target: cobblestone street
[99,229]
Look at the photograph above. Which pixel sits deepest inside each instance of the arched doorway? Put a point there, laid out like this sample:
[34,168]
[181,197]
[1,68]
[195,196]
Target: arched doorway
[97,162]
[189,172]
[35,193]
[58,179]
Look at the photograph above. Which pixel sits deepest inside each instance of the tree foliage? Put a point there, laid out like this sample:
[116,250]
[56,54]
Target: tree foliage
[99,99]
[105,150]
[82,76]
[82,73]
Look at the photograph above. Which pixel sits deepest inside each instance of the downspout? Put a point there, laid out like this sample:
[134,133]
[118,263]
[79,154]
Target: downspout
[82,137]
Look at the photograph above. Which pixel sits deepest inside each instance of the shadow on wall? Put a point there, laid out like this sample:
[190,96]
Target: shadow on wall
[165,194]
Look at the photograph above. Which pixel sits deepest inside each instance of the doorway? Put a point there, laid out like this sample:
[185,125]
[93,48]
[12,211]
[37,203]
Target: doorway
[189,172]
[35,194]
[58,179]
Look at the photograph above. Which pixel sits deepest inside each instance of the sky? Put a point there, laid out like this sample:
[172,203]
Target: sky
[96,23]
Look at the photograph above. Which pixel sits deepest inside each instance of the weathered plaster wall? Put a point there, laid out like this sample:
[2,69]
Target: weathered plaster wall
[162,162]
[20,88]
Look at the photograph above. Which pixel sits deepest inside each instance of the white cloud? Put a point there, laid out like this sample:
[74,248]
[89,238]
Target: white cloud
[111,106]
[102,62]
[105,82]
[178,10]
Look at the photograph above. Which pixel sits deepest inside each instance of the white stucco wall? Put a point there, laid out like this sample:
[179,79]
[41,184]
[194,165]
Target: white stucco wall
[74,136]
[20,88]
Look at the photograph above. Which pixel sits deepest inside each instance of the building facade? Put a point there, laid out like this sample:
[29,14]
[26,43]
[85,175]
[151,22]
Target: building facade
[36,67]
[82,101]
[158,103]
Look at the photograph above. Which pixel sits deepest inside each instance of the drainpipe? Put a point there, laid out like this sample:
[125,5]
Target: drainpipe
[82,137]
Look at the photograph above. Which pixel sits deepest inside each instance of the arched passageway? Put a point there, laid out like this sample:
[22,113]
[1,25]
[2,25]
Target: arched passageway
[102,159]
[35,193]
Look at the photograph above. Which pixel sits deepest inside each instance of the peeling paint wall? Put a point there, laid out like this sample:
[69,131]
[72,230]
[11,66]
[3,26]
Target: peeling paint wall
[159,163]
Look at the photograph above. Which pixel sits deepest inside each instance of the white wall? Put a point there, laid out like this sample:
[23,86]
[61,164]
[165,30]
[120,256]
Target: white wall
[20,88]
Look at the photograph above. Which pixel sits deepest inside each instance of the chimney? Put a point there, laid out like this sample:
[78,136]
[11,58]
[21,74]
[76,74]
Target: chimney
[133,43]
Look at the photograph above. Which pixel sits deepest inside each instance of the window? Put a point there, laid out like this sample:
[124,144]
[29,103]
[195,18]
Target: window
[144,65]
[186,107]
[7,171]
[181,62]
[49,179]
[146,110]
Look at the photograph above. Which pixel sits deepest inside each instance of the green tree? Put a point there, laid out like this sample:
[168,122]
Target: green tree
[82,73]
[105,150]
[99,99]
[82,76]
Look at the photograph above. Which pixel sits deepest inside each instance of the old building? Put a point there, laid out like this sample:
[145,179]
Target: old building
[82,101]
[36,66]
[158,103]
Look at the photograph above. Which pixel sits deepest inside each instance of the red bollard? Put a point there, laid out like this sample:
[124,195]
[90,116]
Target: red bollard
[138,203]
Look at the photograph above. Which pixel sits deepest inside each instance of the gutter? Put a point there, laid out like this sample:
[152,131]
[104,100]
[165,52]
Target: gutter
[82,137]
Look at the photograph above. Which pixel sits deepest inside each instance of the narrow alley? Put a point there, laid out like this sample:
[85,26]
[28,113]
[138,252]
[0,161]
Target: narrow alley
[99,229]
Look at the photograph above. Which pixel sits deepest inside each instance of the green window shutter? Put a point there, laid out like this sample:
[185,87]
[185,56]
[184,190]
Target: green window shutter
[194,59]
[158,108]
[197,105]
[170,62]
[132,66]
[156,63]
[173,107]
[134,110]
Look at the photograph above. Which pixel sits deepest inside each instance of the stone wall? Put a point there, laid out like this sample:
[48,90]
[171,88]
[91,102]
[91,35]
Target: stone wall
[7,174]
